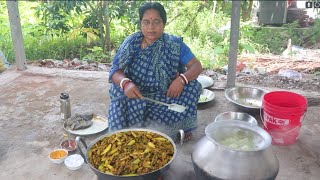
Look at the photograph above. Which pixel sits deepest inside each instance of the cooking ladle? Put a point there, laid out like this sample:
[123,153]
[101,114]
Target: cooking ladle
[173,107]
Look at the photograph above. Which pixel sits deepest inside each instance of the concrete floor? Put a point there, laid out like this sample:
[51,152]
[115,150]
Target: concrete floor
[31,126]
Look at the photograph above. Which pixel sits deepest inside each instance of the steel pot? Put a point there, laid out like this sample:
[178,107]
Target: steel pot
[101,175]
[212,160]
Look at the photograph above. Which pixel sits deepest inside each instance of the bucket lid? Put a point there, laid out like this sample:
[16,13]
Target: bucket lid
[238,136]
[286,101]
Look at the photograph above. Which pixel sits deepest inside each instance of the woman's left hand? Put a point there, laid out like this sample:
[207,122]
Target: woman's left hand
[175,88]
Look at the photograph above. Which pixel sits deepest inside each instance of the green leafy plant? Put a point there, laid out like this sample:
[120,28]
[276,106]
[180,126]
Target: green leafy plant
[96,54]
[57,48]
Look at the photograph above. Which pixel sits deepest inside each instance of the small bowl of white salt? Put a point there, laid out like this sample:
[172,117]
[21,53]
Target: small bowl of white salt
[74,162]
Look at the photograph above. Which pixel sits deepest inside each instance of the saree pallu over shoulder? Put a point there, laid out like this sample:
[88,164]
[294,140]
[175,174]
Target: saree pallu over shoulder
[159,62]
[126,52]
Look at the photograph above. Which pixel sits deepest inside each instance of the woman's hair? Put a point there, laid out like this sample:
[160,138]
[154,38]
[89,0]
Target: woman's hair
[156,6]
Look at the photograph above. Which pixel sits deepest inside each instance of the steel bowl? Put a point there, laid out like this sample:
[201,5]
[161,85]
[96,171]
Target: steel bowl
[69,144]
[240,116]
[246,97]
[205,81]
[206,96]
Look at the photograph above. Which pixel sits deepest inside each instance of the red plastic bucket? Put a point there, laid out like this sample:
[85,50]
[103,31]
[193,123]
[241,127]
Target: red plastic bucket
[283,113]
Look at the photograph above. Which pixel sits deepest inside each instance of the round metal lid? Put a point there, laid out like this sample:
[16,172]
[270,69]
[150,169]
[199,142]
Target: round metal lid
[239,132]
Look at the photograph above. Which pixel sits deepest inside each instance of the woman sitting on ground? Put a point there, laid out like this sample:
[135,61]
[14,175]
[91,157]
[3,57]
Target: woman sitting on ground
[151,63]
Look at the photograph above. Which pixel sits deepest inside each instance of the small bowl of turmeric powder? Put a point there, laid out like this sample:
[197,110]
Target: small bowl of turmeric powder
[58,155]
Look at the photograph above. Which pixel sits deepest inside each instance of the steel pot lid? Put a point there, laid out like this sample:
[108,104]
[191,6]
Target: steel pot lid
[219,132]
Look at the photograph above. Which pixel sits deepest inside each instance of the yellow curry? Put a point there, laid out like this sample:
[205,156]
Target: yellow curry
[131,153]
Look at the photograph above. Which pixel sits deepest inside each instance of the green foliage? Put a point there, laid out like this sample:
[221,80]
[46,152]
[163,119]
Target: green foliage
[6,45]
[275,39]
[57,48]
[96,54]
[313,34]
[56,14]
[194,22]
[72,29]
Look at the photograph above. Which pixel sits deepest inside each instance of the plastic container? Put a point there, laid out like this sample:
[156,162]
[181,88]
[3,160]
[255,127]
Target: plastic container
[283,113]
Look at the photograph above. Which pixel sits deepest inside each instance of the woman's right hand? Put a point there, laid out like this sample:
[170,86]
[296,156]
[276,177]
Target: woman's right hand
[132,91]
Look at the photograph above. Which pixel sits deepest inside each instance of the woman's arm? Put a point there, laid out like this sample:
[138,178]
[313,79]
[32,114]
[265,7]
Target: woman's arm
[129,88]
[117,77]
[194,69]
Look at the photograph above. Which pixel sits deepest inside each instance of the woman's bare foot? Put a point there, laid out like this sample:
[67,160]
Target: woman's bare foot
[183,137]
[188,136]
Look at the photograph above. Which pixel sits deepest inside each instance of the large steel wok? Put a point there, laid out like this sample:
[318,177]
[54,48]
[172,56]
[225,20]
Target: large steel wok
[101,175]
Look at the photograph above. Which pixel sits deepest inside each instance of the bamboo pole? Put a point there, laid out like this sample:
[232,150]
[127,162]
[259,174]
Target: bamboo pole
[233,48]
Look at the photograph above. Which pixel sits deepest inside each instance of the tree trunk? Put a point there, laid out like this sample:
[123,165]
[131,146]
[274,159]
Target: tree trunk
[214,8]
[246,8]
[100,21]
[250,8]
[107,24]
[16,34]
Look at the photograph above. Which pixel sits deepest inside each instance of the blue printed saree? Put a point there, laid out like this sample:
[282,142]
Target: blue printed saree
[152,69]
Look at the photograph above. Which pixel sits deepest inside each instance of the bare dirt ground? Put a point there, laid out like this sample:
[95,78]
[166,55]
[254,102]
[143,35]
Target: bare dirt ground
[261,70]
[304,71]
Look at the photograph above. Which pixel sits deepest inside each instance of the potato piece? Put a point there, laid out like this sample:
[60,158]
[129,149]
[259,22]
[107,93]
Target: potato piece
[131,142]
[106,150]
[150,144]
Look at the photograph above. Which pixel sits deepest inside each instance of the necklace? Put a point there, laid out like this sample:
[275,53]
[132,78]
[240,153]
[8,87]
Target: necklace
[145,43]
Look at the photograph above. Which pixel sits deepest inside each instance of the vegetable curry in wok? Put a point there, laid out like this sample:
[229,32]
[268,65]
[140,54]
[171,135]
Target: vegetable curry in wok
[131,153]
